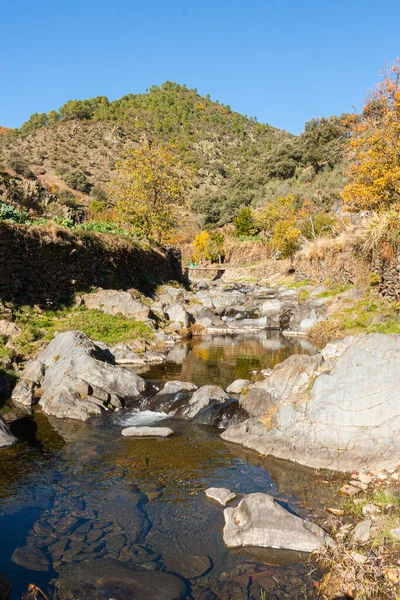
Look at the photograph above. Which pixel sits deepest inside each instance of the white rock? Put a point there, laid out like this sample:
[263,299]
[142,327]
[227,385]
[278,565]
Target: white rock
[358,483]
[259,521]
[142,432]
[71,376]
[362,532]
[238,386]
[370,509]
[364,478]
[220,495]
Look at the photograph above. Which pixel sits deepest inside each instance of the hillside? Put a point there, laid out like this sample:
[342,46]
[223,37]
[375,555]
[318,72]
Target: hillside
[236,161]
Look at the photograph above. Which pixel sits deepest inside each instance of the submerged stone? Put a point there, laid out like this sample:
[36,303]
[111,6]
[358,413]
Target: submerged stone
[220,495]
[31,558]
[104,578]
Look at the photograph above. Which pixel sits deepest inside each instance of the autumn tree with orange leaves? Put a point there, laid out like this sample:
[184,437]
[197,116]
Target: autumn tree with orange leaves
[374,178]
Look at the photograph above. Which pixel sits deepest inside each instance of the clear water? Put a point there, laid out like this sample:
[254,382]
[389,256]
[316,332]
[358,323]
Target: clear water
[220,359]
[79,492]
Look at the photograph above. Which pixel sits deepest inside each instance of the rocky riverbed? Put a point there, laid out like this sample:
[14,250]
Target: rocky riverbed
[91,527]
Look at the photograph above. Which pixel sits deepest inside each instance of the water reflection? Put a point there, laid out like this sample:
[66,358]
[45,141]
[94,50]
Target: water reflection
[220,359]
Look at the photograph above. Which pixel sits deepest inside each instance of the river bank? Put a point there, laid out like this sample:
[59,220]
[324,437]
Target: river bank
[232,328]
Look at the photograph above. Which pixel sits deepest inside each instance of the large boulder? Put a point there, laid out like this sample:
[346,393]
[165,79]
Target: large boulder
[71,379]
[207,394]
[288,382]
[6,437]
[260,522]
[352,418]
[114,302]
[173,396]
[177,313]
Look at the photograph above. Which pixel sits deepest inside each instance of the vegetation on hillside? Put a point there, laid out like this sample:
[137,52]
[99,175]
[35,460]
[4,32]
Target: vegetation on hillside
[235,162]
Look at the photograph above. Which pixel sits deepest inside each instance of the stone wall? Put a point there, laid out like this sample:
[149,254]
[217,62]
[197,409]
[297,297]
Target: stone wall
[41,265]
[388,276]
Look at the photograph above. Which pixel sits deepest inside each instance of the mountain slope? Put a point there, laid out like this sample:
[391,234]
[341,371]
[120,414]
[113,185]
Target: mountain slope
[236,160]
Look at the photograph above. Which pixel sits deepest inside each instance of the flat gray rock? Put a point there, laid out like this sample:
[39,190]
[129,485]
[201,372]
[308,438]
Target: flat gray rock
[107,578]
[220,495]
[259,521]
[31,558]
[142,432]
[362,532]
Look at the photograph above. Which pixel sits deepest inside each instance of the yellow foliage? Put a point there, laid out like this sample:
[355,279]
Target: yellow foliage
[375,177]
[286,238]
[201,244]
[150,183]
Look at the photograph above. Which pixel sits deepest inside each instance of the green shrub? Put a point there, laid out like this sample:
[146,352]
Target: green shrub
[78,181]
[20,165]
[67,198]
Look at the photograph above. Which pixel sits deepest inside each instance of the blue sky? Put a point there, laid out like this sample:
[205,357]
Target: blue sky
[282,61]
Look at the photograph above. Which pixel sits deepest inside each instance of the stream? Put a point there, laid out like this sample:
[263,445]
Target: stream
[79,503]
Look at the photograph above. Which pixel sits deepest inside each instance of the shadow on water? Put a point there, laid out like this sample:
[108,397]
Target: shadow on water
[77,499]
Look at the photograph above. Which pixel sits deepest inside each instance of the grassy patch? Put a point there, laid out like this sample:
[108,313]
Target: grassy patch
[370,314]
[300,284]
[334,290]
[40,327]
[303,295]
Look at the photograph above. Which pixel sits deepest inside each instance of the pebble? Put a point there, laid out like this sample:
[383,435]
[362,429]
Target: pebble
[359,484]
[395,476]
[338,512]
[371,509]
[362,532]
[395,532]
[360,559]
[349,490]
[382,476]
[364,478]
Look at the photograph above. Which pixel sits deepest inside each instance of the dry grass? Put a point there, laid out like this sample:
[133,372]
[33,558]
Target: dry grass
[197,330]
[267,418]
[322,247]
[382,233]
[357,573]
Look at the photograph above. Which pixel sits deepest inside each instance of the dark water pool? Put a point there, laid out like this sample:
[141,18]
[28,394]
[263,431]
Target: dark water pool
[78,499]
